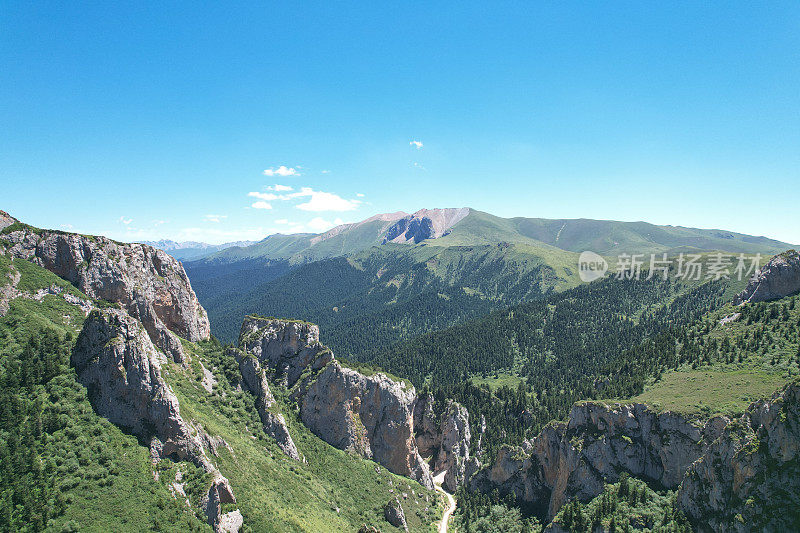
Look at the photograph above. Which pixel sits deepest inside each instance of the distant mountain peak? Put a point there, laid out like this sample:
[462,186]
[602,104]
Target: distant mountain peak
[425,224]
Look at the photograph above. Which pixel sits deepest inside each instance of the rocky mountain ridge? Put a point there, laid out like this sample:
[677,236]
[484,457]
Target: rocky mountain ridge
[148,283]
[727,472]
[371,415]
[122,370]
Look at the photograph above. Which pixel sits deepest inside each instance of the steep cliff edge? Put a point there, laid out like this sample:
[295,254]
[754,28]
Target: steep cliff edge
[148,283]
[778,278]
[122,371]
[371,415]
[574,459]
[749,478]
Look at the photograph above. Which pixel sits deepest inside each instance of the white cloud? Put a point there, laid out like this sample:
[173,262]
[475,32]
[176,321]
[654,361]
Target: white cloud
[125,221]
[419,166]
[263,195]
[326,172]
[215,218]
[281,171]
[320,224]
[279,188]
[282,221]
[261,205]
[360,195]
[66,226]
[416,144]
[323,201]
[159,222]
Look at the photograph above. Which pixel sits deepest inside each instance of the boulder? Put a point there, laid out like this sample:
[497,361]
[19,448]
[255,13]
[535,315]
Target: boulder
[393,512]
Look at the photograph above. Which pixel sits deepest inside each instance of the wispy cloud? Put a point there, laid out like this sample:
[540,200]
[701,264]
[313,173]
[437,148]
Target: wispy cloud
[279,188]
[268,196]
[67,227]
[125,221]
[282,221]
[281,171]
[416,144]
[215,218]
[323,201]
[360,195]
[326,172]
[419,166]
[261,205]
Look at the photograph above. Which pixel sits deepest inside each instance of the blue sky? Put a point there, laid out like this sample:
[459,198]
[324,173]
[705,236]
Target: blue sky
[147,122]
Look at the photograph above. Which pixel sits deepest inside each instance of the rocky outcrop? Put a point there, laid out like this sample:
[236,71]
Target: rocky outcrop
[393,513]
[373,416]
[574,459]
[146,282]
[444,438]
[749,479]
[6,220]
[255,380]
[284,347]
[369,415]
[453,453]
[778,278]
[424,224]
[121,368]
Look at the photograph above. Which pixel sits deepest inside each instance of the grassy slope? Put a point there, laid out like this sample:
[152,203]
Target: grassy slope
[730,387]
[277,494]
[104,475]
[107,479]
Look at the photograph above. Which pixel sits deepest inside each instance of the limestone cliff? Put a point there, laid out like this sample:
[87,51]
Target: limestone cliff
[374,416]
[122,370]
[284,347]
[778,278]
[574,459]
[255,380]
[370,415]
[445,438]
[149,284]
[749,478]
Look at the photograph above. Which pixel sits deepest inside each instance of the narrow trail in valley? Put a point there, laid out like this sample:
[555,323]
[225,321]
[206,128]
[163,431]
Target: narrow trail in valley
[437,483]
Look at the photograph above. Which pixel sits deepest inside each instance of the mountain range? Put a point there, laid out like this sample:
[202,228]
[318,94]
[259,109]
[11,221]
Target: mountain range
[654,404]
[400,274]
[191,250]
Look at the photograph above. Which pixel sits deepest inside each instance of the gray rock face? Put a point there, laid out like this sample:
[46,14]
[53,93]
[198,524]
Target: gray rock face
[424,224]
[778,278]
[121,368]
[446,442]
[148,283]
[454,450]
[255,380]
[598,442]
[749,479]
[6,219]
[393,513]
[284,347]
[371,416]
